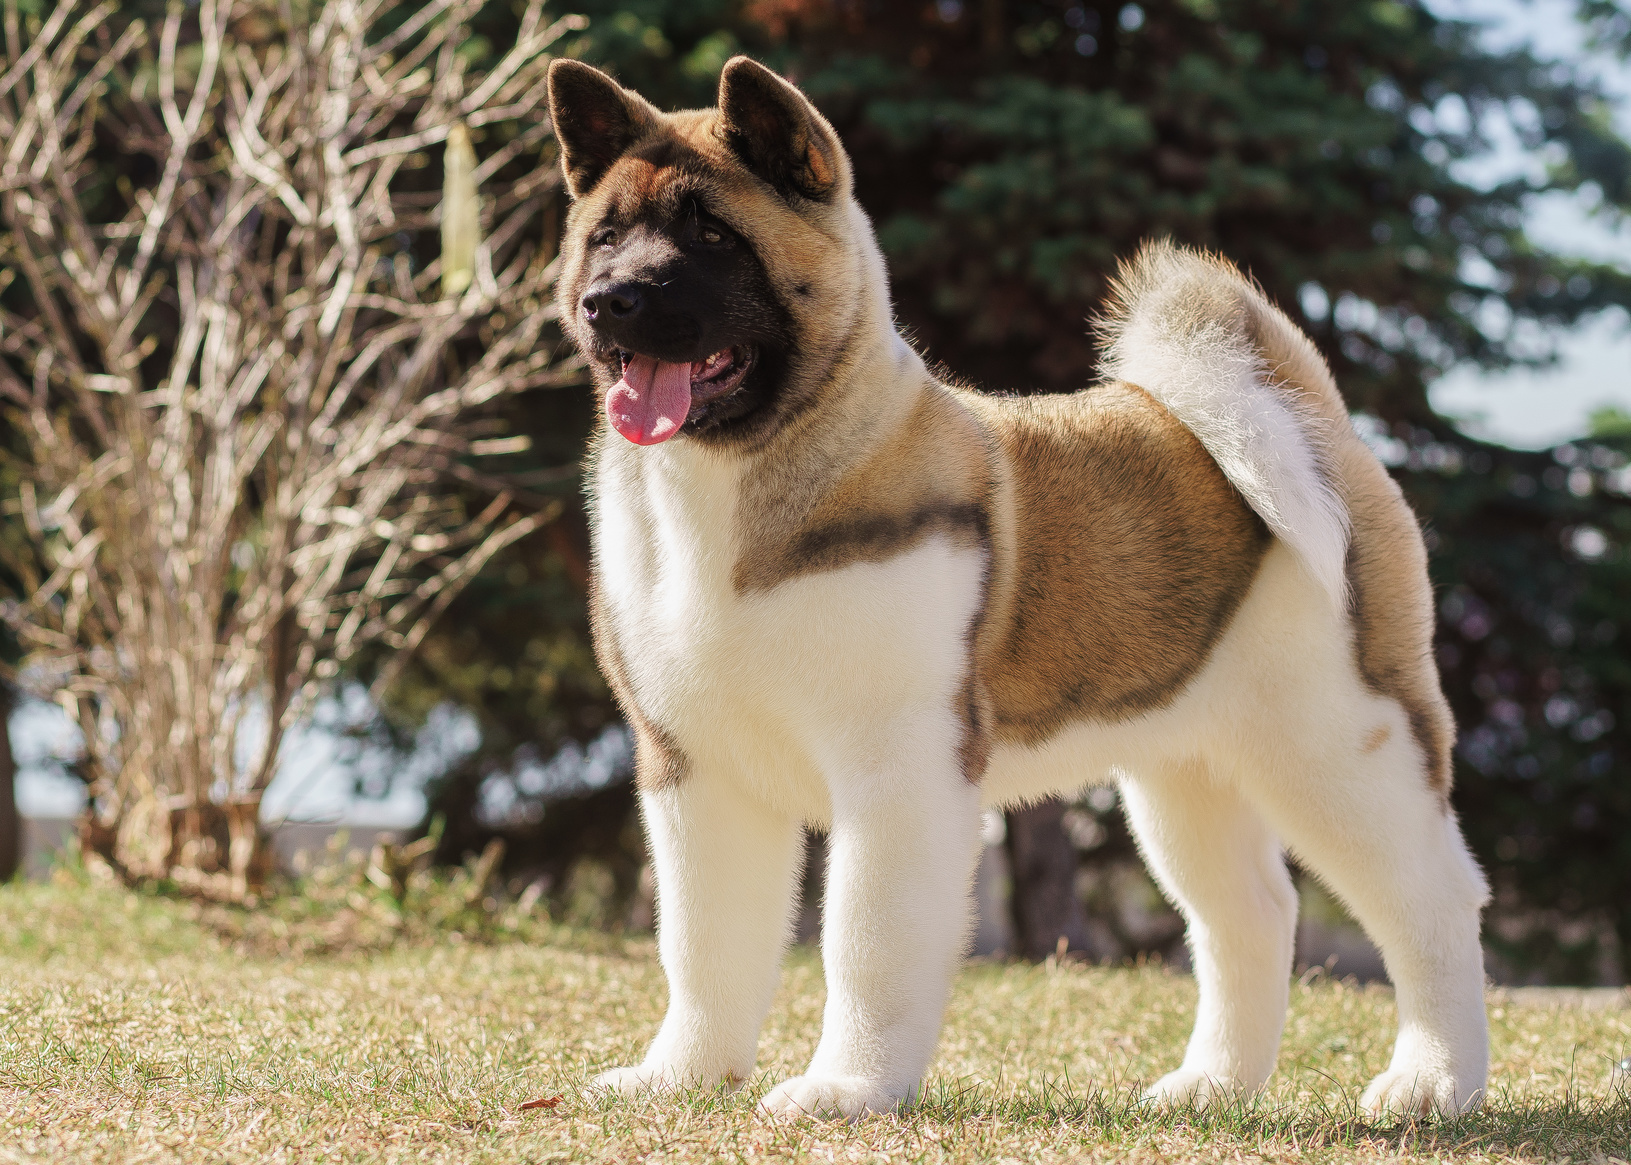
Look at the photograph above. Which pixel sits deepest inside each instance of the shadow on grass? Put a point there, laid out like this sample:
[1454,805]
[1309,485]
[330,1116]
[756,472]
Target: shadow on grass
[1574,1124]
[1112,1118]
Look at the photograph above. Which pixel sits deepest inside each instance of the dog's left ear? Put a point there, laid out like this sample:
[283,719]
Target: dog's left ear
[778,134]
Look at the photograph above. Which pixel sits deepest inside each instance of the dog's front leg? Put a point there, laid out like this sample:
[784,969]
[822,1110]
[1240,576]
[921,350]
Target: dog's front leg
[901,858]
[726,867]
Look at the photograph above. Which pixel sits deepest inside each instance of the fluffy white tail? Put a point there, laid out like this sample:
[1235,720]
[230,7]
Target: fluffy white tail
[1193,333]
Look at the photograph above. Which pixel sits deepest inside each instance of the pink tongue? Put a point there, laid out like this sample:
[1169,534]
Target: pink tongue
[650,403]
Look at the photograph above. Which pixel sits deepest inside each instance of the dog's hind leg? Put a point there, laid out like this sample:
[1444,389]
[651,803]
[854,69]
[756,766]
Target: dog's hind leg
[726,870]
[1218,861]
[1366,821]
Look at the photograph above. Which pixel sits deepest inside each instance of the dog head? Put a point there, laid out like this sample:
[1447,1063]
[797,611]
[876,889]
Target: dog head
[704,252]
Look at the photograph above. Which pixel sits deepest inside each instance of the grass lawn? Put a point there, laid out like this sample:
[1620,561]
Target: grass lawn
[134,1028]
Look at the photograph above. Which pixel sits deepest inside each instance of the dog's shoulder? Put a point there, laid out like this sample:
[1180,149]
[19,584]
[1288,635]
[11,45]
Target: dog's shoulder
[931,472]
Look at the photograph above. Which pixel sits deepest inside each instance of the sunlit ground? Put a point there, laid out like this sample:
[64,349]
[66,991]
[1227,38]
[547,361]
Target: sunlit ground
[133,1028]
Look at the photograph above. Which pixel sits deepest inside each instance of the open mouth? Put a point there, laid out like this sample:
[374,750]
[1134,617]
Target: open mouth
[655,398]
[713,377]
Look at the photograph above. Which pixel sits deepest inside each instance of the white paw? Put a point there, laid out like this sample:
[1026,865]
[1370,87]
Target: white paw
[1418,1092]
[841,1097]
[1191,1088]
[640,1080]
[658,1080]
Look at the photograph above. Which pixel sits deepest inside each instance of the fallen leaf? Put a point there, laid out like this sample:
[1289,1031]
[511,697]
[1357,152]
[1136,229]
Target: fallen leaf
[546,1102]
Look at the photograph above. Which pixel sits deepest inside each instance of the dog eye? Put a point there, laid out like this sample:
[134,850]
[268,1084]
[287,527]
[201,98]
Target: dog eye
[603,238]
[702,227]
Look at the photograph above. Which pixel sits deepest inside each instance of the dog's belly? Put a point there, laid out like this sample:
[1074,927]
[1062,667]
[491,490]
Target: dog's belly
[822,678]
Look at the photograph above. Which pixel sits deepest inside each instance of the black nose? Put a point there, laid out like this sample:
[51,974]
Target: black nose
[617,301]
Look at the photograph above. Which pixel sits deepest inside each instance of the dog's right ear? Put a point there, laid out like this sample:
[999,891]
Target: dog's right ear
[595,121]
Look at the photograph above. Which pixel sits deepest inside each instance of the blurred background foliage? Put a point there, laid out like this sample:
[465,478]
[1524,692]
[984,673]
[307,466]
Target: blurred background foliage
[1009,152]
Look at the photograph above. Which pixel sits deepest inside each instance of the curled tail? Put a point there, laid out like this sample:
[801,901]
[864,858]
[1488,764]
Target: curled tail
[1191,331]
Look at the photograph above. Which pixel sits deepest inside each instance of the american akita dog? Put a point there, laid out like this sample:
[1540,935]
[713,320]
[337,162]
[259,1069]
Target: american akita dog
[830,588]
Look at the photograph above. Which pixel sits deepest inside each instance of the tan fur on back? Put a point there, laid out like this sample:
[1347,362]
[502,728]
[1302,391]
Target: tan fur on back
[1132,552]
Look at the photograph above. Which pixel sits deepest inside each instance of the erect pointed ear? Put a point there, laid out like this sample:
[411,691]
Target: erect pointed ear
[778,134]
[595,121]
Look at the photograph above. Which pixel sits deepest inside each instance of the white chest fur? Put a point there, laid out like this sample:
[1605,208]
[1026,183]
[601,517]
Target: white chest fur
[825,672]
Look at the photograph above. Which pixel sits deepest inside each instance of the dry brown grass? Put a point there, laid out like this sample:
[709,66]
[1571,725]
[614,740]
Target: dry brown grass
[130,1031]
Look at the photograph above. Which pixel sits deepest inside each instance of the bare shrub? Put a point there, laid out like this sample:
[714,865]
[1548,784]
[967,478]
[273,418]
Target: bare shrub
[240,376]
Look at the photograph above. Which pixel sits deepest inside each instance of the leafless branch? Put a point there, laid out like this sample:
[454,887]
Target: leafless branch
[234,398]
